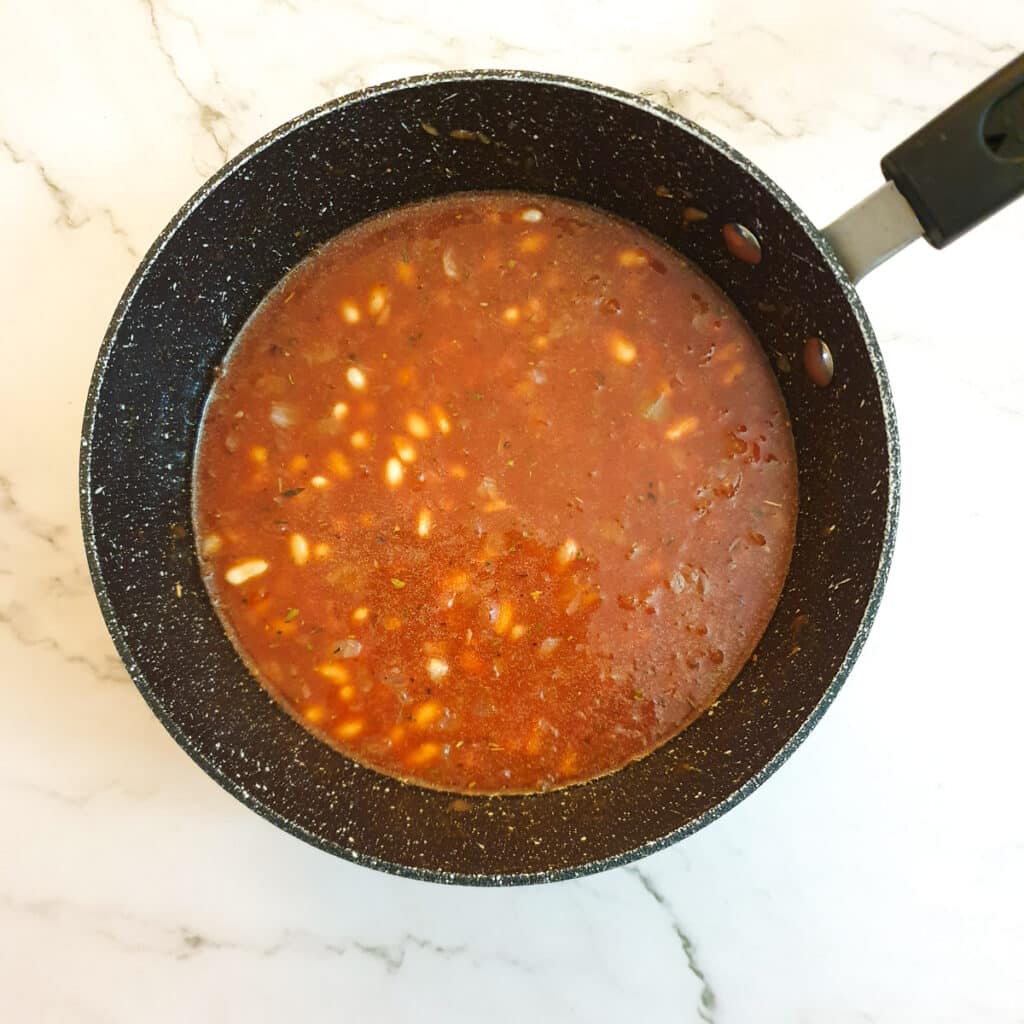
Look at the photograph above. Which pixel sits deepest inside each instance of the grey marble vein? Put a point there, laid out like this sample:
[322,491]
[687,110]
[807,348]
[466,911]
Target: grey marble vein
[18,620]
[391,956]
[67,215]
[133,933]
[81,800]
[721,96]
[210,117]
[1003,50]
[708,1001]
[61,198]
[52,534]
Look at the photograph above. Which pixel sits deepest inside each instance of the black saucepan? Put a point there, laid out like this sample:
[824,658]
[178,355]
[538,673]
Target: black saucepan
[276,202]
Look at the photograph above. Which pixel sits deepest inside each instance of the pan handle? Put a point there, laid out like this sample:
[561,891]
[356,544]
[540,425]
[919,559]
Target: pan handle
[960,168]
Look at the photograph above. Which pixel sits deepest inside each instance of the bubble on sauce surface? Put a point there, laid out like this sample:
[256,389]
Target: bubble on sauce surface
[742,243]
[818,362]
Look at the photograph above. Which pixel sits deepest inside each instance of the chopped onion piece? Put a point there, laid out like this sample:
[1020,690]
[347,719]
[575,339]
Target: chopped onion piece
[348,648]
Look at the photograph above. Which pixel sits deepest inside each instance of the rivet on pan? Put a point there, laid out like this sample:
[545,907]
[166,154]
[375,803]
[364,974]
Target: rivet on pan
[818,362]
[742,243]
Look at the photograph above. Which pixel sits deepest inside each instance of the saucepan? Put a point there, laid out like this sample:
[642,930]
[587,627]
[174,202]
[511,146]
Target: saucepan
[274,204]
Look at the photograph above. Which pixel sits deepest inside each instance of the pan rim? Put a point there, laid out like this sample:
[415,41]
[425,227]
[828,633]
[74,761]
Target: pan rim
[119,634]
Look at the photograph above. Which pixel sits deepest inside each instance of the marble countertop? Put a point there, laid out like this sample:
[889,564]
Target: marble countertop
[876,877]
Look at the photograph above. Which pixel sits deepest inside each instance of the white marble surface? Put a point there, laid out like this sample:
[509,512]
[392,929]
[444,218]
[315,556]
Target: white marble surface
[877,877]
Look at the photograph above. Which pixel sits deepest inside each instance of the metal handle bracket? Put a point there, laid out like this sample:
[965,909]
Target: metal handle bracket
[872,231]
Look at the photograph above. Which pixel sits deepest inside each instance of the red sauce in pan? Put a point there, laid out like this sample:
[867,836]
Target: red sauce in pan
[495,493]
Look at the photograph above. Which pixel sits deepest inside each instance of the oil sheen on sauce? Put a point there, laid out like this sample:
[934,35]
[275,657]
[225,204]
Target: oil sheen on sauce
[495,493]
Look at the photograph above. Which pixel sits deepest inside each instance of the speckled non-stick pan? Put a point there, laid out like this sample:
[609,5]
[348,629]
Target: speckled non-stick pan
[274,204]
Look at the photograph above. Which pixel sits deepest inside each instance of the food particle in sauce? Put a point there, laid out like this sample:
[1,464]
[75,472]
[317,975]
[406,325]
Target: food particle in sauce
[514,505]
[622,349]
[242,572]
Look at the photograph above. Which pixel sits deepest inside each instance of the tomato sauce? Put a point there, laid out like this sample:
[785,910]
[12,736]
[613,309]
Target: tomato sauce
[495,493]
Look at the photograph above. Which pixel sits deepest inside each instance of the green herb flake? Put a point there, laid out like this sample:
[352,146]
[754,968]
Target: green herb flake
[291,615]
[397,583]
[477,395]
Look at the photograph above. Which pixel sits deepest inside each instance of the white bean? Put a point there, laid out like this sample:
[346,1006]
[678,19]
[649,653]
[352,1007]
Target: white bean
[242,572]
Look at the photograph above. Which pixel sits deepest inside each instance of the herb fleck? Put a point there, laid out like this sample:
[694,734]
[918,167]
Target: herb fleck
[397,583]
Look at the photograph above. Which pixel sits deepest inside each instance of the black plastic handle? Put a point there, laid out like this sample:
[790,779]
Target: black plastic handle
[968,162]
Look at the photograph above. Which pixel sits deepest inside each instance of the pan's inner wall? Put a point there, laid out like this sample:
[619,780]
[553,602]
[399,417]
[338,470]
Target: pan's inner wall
[311,182]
